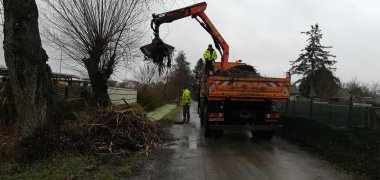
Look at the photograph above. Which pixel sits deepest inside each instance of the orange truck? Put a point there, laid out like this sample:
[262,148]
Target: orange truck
[227,102]
[242,103]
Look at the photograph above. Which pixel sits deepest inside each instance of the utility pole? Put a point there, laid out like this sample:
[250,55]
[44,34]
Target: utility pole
[60,67]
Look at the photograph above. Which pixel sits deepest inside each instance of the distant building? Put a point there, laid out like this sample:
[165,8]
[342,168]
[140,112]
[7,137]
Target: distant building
[112,83]
[342,95]
[57,78]
[129,84]
[294,93]
[367,100]
[376,101]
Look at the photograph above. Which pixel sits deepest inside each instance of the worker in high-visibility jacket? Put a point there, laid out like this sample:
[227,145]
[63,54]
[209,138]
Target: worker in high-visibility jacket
[186,102]
[209,56]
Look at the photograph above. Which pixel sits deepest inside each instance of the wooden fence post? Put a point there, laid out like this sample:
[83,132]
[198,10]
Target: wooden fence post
[349,113]
[286,108]
[329,118]
[294,108]
[66,92]
[311,108]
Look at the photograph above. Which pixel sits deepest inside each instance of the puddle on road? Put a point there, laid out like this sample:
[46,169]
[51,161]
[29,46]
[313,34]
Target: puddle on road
[193,142]
[188,136]
[171,145]
[187,143]
[184,145]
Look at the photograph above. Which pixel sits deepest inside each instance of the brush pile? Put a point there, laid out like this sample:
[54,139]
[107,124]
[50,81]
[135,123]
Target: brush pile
[115,130]
[111,131]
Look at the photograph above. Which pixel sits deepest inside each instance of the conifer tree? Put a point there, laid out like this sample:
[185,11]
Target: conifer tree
[315,58]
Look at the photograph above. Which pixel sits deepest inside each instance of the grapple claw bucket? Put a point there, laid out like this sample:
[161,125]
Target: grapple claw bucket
[157,51]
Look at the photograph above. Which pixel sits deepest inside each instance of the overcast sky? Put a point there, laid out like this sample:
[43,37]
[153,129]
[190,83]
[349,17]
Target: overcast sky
[266,33]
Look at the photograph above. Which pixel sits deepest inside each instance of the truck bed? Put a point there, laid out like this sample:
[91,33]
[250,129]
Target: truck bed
[246,89]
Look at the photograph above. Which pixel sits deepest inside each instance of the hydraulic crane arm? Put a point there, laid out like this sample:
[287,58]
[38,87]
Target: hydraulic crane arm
[195,11]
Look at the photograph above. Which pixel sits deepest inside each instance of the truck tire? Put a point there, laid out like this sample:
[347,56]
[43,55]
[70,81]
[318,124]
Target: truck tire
[208,131]
[206,122]
[199,107]
[202,116]
[218,133]
[202,119]
[262,134]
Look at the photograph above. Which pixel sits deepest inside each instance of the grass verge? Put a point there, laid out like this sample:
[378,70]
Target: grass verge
[73,167]
[170,117]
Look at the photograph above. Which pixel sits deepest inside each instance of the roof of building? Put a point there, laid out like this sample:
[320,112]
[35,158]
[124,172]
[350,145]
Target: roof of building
[4,72]
[294,90]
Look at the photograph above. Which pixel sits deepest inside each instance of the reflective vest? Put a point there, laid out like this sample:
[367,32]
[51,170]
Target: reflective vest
[186,97]
[208,56]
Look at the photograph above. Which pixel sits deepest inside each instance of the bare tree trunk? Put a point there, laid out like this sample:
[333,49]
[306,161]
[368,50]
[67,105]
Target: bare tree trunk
[26,60]
[99,79]
[99,85]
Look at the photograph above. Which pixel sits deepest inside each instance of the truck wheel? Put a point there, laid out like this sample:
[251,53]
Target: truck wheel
[201,111]
[207,130]
[202,120]
[262,134]
[199,106]
[206,122]
[202,116]
[218,133]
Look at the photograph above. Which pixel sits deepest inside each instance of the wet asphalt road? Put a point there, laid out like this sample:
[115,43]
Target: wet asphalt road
[235,155]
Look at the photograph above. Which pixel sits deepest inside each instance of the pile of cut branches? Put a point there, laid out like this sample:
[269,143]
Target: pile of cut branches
[111,131]
[116,130]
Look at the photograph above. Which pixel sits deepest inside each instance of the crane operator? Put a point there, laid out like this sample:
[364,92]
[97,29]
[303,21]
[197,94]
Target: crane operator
[209,56]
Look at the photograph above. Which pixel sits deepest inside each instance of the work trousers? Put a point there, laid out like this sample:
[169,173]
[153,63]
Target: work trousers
[186,113]
[209,67]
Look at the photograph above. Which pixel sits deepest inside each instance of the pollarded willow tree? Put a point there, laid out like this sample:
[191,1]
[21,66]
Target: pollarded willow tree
[316,66]
[29,75]
[97,34]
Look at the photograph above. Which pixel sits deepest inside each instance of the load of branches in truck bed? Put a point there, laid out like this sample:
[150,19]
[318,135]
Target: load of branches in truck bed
[239,72]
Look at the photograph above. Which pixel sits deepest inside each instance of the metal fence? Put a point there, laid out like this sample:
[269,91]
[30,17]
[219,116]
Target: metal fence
[122,95]
[117,95]
[62,93]
[346,116]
